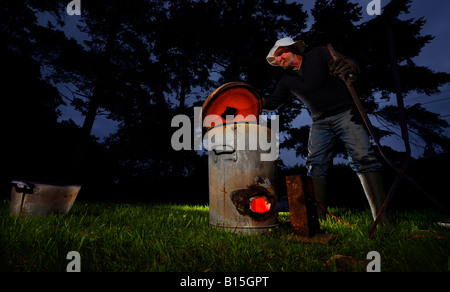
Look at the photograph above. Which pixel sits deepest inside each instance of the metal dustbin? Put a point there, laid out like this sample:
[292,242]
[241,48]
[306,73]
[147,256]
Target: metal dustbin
[33,198]
[242,186]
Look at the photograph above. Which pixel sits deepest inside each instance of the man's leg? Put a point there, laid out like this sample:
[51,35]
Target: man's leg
[363,161]
[320,143]
[320,194]
[373,186]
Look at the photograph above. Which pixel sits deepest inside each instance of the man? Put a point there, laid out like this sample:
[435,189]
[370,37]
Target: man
[316,80]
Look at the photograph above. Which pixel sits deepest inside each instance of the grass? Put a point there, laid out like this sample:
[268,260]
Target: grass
[168,237]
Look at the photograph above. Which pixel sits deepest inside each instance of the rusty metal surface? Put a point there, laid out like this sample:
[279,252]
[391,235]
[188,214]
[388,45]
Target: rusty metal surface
[303,212]
[235,176]
[31,199]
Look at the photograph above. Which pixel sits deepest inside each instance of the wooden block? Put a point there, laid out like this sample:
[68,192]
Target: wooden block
[303,212]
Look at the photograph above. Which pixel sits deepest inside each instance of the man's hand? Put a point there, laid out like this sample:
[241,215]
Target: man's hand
[344,69]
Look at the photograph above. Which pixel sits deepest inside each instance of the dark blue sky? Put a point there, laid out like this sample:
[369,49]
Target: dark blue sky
[435,56]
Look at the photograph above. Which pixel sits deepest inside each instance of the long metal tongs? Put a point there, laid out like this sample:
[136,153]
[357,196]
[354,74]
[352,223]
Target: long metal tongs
[401,171]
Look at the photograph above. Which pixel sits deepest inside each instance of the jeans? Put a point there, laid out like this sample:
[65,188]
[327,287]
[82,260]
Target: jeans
[324,134]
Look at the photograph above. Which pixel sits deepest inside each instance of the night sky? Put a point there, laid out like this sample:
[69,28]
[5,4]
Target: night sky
[435,56]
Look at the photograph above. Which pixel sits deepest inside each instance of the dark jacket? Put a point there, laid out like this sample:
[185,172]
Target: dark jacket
[324,94]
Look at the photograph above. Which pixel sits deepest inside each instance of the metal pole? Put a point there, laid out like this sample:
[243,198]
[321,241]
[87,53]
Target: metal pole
[400,171]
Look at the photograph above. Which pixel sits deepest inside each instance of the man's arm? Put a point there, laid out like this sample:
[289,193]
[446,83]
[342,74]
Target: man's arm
[279,97]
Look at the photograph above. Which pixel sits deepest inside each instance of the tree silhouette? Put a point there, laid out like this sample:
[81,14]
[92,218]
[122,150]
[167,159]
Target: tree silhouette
[33,53]
[29,103]
[109,70]
[335,23]
[146,61]
[407,42]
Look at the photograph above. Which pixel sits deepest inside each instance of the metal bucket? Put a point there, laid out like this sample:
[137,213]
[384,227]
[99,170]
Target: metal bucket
[31,198]
[242,187]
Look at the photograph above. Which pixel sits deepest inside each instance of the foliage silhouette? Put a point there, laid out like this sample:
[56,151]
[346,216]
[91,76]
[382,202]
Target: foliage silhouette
[145,61]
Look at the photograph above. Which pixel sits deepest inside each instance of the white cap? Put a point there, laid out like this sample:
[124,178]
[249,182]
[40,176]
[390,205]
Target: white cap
[285,42]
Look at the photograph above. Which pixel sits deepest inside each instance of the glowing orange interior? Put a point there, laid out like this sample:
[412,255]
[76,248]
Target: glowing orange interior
[239,103]
[260,205]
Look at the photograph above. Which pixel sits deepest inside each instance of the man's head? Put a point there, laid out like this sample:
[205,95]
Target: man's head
[287,59]
[286,53]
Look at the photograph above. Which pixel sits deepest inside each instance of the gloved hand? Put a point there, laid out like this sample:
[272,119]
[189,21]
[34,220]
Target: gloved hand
[344,69]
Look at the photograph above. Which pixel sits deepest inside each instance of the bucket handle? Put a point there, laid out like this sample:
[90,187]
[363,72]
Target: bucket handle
[24,187]
[228,153]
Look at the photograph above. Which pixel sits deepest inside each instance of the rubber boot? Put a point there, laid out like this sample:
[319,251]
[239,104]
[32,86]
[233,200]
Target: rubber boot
[373,185]
[319,186]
